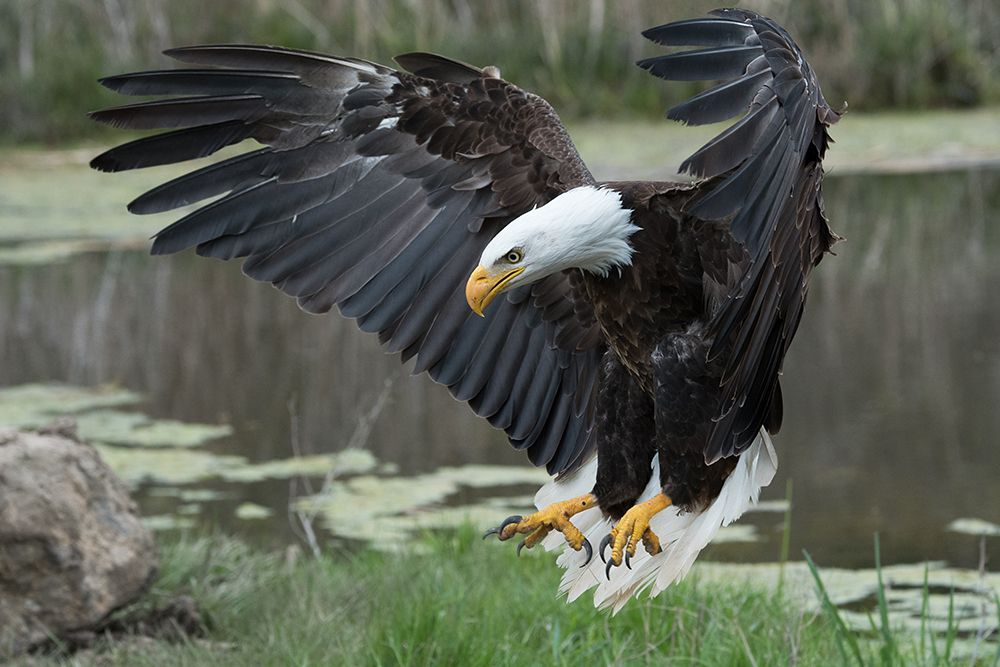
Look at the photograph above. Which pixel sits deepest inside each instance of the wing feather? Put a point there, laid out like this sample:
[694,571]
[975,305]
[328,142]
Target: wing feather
[375,192]
[763,175]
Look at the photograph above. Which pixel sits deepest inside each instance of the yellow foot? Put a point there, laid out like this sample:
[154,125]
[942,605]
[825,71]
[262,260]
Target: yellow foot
[554,517]
[632,529]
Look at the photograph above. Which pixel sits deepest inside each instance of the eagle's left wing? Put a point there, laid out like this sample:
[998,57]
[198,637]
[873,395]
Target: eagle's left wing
[763,175]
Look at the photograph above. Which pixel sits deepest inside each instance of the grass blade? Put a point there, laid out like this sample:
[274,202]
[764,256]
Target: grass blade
[996,658]
[845,638]
[786,537]
[889,649]
[925,604]
[952,626]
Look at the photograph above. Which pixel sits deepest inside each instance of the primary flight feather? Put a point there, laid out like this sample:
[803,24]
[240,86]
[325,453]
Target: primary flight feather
[627,335]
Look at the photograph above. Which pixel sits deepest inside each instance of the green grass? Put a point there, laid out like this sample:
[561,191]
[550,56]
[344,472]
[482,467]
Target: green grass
[461,601]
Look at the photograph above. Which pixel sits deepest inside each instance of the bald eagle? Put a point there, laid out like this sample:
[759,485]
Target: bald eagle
[632,333]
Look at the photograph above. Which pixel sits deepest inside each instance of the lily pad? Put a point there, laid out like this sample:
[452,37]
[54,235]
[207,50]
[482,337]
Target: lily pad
[252,511]
[387,511]
[394,533]
[137,430]
[345,462]
[366,497]
[172,466]
[161,522]
[855,592]
[974,527]
[166,465]
[481,476]
[189,495]
[34,405]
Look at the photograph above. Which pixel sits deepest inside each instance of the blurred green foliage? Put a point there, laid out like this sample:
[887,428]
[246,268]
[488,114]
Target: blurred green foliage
[577,53]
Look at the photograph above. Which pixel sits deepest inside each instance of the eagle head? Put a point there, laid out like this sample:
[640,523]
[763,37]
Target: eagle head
[586,228]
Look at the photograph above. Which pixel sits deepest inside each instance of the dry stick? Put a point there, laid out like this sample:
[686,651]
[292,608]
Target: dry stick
[303,526]
[982,632]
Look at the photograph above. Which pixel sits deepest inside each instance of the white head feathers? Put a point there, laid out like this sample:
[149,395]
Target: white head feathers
[586,228]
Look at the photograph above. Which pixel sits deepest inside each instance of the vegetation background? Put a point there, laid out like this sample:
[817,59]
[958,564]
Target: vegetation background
[876,54]
[910,289]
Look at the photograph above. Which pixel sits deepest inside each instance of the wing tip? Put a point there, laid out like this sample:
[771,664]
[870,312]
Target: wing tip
[645,63]
[112,117]
[113,82]
[162,245]
[178,52]
[106,162]
[143,205]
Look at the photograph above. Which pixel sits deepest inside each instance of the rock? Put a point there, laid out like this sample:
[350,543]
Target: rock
[72,546]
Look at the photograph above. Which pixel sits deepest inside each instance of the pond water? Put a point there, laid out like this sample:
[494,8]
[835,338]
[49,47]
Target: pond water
[892,390]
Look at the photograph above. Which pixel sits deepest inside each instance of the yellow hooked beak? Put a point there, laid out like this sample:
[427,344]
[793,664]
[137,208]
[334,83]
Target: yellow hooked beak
[482,287]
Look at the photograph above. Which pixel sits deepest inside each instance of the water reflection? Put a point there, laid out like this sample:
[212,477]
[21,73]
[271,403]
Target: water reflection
[891,388]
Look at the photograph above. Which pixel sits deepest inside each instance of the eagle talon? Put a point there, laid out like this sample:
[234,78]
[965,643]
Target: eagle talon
[651,542]
[632,529]
[604,545]
[541,523]
[512,520]
[590,552]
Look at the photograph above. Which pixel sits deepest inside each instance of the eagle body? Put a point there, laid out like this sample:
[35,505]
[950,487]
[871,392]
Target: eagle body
[658,392]
[632,333]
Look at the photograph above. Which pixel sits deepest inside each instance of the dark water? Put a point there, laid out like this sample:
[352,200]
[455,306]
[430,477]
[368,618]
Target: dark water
[892,387]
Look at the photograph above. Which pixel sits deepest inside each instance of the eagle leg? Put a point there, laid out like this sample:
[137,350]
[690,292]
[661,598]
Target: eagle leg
[631,529]
[554,517]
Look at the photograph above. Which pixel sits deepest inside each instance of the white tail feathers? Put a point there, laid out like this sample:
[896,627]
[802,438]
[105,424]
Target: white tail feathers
[683,535]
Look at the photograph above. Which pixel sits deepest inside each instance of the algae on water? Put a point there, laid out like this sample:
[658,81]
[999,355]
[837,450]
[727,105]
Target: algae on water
[166,465]
[345,462]
[132,429]
[974,527]
[388,511]
[34,405]
[252,511]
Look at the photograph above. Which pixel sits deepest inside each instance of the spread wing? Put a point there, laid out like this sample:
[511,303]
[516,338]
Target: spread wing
[764,175]
[375,192]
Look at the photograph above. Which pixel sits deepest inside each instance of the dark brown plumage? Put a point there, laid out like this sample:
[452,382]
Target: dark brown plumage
[378,190]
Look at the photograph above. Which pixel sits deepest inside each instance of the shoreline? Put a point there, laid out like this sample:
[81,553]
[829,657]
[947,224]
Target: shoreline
[887,142]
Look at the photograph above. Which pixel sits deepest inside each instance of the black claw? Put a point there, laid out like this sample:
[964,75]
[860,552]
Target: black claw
[590,552]
[519,547]
[604,545]
[627,563]
[516,518]
[607,570]
[498,531]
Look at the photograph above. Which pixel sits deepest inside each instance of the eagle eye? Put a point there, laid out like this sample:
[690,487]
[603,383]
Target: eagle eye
[514,256]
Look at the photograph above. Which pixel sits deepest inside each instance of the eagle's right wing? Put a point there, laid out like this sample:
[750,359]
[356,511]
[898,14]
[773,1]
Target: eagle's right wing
[376,191]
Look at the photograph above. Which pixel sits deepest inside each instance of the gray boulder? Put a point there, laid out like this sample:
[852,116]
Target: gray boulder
[72,546]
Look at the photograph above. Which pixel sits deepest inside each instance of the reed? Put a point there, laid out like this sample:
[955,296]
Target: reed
[872,53]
